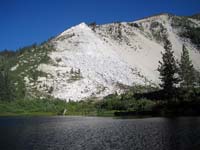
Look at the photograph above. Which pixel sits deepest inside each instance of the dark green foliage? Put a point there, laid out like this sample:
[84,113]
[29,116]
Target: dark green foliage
[7,58]
[50,90]
[92,25]
[154,24]
[34,74]
[186,69]
[136,25]
[32,107]
[188,29]
[86,107]
[113,102]
[20,90]
[119,29]
[75,75]
[7,89]
[159,32]
[193,34]
[196,16]
[7,53]
[186,73]
[197,78]
[133,24]
[26,49]
[182,22]
[168,70]
[27,60]
[124,102]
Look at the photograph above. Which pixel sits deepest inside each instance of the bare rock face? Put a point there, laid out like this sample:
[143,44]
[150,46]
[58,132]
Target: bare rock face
[98,60]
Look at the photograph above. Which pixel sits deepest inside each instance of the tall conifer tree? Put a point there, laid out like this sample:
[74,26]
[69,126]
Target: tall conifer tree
[186,73]
[168,71]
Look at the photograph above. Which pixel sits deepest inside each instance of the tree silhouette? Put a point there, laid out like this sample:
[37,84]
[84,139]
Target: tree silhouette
[168,70]
[186,74]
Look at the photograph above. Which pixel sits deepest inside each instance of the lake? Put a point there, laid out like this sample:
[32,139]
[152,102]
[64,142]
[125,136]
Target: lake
[98,133]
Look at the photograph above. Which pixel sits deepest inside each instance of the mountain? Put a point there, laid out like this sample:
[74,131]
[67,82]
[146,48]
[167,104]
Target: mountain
[196,16]
[97,60]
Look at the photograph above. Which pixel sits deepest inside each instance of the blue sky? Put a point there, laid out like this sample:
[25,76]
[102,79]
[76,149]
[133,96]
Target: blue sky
[23,22]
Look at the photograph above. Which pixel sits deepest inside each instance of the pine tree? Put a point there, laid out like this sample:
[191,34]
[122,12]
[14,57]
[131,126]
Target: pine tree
[6,85]
[168,70]
[186,73]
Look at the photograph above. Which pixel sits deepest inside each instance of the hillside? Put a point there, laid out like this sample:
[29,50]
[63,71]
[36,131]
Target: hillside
[97,60]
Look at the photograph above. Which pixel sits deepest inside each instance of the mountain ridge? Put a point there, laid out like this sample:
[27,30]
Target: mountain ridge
[97,60]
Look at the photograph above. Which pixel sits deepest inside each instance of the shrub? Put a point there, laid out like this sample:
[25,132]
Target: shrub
[193,34]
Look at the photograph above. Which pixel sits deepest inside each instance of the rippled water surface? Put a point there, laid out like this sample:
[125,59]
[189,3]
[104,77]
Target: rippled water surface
[96,133]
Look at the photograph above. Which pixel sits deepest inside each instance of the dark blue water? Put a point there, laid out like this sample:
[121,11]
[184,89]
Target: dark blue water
[96,133]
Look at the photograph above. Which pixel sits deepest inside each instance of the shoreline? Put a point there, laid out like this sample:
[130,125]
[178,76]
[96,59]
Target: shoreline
[51,114]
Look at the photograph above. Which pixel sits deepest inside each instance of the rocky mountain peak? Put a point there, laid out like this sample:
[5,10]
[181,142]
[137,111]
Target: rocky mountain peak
[97,60]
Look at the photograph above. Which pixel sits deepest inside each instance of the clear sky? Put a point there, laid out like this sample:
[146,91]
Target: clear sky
[23,22]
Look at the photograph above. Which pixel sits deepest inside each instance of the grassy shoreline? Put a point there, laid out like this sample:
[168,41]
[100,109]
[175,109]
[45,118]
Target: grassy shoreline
[120,114]
[111,106]
[7,114]
[123,114]
[32,114]
[50,108]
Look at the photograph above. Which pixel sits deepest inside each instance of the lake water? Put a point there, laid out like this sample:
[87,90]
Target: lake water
[98,133]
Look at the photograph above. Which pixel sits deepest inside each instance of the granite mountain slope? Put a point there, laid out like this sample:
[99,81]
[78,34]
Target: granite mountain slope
[96,60]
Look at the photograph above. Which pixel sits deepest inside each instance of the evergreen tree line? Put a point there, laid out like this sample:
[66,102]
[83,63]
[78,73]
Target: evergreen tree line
[178,79]
[8,90]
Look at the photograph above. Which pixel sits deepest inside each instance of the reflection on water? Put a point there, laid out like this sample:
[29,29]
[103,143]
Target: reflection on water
[74,133]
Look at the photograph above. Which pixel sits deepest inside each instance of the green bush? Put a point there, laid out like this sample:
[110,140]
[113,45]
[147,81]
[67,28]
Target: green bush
[31,106]
[124,102]
[193,34]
